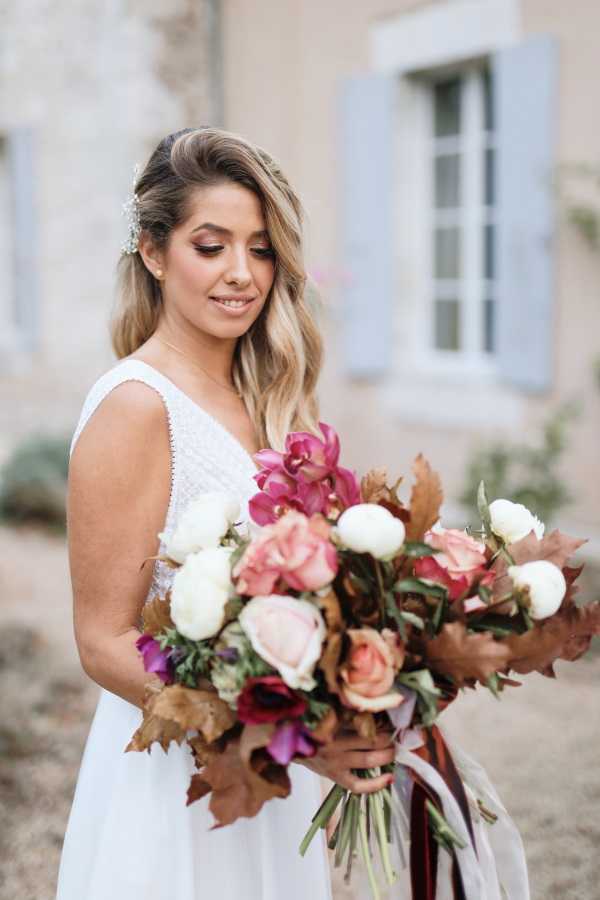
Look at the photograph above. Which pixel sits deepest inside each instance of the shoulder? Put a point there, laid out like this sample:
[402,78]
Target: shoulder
[124,420]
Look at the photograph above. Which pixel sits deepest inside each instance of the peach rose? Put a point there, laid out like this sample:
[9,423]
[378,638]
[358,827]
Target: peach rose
[294,548]
[369,670]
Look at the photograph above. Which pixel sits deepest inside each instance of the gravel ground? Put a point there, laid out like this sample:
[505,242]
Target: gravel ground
[540,745]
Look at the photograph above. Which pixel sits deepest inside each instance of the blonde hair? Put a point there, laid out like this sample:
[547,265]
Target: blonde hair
[277,361]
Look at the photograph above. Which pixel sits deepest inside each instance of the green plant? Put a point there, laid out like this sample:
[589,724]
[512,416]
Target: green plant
[523,473]
[33,481]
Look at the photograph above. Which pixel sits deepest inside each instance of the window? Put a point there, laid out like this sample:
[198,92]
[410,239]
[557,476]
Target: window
[461,199]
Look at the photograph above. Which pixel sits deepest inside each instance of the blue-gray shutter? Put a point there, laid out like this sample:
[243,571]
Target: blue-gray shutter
[525,81]
[366,161]
[22,175]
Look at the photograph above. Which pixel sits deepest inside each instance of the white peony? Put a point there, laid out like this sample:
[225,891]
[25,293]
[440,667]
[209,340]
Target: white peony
[199,593]
[370,528]
[513,521]
[203,523]
[545,584]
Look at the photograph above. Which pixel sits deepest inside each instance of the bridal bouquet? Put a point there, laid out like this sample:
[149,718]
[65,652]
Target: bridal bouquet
[344,608]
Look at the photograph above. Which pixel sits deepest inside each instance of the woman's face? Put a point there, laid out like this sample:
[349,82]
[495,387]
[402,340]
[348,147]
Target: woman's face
[218,267]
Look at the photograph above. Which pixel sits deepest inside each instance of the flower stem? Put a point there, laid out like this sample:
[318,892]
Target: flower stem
[377,807]
[364,846]
[323,815]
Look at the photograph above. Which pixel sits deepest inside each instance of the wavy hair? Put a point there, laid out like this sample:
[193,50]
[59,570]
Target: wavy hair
[277,362]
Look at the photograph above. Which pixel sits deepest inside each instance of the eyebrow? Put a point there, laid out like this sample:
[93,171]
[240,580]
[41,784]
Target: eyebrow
[210,226]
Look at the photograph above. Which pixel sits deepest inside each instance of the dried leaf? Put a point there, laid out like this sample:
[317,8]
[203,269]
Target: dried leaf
[330,658]
[364,725]
[244,777]
[330,607]
[566,635]
[191,708]
[373,486]
[156,615]
[203,751]
[555,547]
[425,500]
[326,728]
[198,788]
[163,559]
[462,655]
[154,728]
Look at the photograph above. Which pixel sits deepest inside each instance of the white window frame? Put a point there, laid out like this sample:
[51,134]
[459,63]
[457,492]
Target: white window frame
[416,46]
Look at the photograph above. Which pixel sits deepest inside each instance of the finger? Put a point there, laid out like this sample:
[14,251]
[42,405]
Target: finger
[370,759]
[369,785]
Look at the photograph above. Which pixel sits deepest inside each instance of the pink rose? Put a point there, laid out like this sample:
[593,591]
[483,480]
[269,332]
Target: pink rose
[294,548]
[288,634]
[460,562]
[369,670]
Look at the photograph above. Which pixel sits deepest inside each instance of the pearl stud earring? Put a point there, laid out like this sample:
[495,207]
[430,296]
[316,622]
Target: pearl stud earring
[159,273]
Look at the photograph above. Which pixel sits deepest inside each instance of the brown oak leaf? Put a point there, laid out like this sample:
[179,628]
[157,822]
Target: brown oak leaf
[566,635]
[197,789]
[373,486]
[191,708]
[425,500]
[154,728]
[156,615]
[462,655]
[244,777]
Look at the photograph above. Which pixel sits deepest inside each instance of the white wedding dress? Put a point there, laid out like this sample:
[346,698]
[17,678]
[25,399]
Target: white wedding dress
[130,833]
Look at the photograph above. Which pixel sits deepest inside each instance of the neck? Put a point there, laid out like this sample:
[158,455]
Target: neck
[215,355]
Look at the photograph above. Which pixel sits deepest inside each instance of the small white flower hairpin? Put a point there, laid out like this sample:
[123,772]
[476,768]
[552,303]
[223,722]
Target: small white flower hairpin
[131,211]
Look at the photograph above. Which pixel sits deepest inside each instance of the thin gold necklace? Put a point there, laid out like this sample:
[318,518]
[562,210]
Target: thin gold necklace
[208,375]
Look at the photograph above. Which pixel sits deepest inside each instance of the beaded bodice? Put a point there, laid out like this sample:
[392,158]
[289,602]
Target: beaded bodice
[205,456]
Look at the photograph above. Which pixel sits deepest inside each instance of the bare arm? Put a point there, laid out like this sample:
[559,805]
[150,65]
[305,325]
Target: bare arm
[119,485]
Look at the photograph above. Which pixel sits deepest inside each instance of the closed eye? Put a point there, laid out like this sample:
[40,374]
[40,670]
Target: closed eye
[212,249]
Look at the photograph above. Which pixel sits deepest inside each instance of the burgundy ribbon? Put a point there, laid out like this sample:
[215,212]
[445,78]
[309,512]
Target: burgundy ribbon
[423,848]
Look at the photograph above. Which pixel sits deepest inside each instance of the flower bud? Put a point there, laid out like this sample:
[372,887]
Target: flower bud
[544,583]
[371,528]
[513,521]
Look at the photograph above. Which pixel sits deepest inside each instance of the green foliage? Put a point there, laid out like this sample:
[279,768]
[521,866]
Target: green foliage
[192,658]
[33,481]
[522,473]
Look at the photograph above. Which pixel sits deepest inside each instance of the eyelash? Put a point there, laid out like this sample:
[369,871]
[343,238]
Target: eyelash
[214,248]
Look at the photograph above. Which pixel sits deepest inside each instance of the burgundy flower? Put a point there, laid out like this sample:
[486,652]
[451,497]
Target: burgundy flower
[268,699]
[291,739]
[155,659]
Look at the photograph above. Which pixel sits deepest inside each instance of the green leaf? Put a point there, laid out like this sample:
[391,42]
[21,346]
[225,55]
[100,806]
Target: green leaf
[484,508]
[413,619]
[421,586]
[418,548]
[421,682]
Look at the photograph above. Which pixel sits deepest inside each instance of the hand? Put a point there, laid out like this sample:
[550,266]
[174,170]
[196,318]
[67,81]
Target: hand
[337,759]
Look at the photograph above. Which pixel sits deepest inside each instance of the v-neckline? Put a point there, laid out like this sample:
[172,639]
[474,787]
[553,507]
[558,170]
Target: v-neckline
[232,438]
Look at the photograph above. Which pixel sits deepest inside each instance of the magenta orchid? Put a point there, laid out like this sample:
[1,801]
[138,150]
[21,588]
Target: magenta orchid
[305,476]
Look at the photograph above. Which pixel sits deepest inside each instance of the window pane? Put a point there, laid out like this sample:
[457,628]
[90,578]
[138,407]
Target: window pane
[447,181]
[447,252]
[447,107]
[490,178]
[489,337]
[447,324]
[488,101]
[489,261]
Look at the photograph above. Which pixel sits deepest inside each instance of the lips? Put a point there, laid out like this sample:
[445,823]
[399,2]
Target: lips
[234,304]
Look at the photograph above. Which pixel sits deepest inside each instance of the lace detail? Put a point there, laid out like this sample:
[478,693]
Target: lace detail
[205,456]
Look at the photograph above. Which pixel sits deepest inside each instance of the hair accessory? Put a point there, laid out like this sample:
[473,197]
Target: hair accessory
[131,211]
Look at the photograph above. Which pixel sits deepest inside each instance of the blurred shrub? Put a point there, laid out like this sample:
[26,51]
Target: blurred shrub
[522,473]
[33,482]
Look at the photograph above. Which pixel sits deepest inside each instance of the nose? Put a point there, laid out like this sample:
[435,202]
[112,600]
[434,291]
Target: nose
[238,271]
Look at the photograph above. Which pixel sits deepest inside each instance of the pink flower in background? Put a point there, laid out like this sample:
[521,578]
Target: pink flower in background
[460,562]
[295,548]
[305,477]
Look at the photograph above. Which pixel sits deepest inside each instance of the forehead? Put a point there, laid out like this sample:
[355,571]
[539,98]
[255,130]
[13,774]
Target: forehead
[230,206]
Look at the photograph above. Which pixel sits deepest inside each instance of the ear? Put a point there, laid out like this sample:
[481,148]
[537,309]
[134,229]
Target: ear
[152,257]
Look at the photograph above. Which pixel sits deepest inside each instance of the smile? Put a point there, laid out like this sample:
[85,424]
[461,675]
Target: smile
[233,304]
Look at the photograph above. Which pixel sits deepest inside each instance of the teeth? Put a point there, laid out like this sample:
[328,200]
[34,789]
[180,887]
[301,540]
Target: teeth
[236,304]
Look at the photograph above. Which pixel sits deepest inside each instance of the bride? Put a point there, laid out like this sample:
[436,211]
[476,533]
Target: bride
[218,357]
